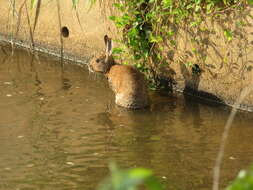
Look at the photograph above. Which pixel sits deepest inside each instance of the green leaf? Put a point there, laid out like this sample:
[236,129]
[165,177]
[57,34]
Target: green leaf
[228,34]
[244,181]
[188,64]
[138,65]
[139,173]
[113,18]
[193,24]
[33,3]
[166,3]
[155,138]
[197,8]
[209,7]
[119,6]
[153,184]
[117,50]
[170,33]
[190,6]
[129,179]
[74,3]
[156,39]
[250,2]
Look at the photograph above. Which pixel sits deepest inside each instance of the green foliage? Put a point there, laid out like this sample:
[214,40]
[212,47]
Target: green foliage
[74,3]
[129,179]
[228,34]
[148,25]
[244,181]
[33,2]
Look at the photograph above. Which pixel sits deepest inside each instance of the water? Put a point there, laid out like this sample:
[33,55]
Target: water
[60,128]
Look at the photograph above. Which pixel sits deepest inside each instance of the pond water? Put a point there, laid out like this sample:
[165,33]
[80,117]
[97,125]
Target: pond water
[60,128]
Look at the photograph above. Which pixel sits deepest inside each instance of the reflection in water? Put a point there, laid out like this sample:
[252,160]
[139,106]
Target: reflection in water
[60,128]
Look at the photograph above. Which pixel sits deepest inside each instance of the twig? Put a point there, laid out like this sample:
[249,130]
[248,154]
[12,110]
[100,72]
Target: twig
[12,3]
[19,17]
[36,14]
[30,27]
[229,8]
[218,162]
[60,26]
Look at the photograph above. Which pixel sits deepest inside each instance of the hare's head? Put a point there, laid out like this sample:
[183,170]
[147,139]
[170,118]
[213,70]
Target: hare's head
[103,62]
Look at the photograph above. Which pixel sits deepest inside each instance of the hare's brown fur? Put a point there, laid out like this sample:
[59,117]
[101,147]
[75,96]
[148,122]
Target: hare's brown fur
[127,82]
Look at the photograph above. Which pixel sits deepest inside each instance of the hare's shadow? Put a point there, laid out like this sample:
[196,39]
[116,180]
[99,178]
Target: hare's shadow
[192,80]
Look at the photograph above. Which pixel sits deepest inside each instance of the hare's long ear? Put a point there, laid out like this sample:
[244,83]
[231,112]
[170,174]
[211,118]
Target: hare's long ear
[108,45]
[106,40]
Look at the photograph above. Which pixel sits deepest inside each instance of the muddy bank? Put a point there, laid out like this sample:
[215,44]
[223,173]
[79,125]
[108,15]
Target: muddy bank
[226,67]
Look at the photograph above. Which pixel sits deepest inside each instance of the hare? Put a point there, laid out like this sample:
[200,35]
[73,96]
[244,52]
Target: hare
[127,82]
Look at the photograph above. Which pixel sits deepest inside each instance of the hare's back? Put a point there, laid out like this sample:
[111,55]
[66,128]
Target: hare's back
[129,86]
[126,76]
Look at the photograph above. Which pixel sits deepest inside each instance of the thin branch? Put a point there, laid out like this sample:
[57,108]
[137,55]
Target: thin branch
[60,26]
[12,5]
[78,17]
[216,175]
[30,27]
[36,14]
[19,17]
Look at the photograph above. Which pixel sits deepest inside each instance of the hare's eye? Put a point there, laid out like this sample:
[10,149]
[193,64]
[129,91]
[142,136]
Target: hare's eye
[97,60]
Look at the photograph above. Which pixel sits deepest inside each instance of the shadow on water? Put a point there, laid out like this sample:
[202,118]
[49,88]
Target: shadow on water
[60,128]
